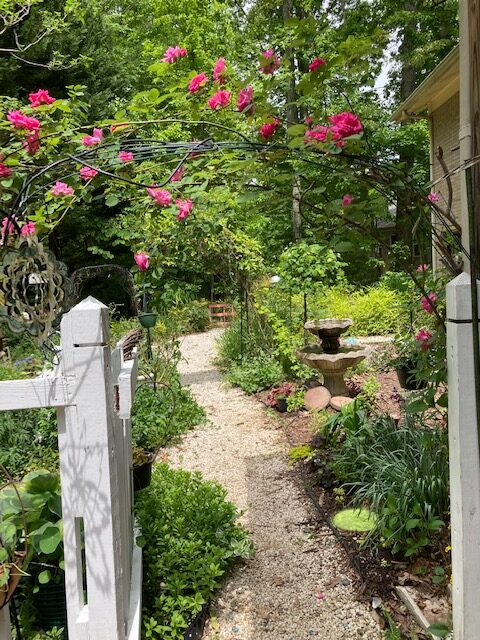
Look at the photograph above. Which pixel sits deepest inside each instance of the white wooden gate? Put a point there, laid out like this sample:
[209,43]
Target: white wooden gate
[92,389]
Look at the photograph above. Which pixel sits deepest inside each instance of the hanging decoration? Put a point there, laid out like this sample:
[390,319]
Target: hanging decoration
[33,287]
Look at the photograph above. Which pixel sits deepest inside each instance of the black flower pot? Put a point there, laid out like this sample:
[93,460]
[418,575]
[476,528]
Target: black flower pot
[148,320]
[50,605]
[142,476]
[281,405]
[406,380]
[196,627]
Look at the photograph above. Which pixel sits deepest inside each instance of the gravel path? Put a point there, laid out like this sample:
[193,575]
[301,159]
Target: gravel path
[298,585]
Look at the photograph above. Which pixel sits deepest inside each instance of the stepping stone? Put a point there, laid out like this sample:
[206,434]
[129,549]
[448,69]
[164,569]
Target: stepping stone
[317,398]
[337,402]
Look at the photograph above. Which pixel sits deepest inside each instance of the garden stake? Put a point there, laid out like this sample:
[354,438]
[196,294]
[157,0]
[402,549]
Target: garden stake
[474,294]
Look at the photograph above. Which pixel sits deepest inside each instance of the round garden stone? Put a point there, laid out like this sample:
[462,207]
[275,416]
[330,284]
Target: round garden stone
[317,398]
[337,402]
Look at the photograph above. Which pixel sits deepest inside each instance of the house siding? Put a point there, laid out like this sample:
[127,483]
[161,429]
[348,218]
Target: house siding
[445,122]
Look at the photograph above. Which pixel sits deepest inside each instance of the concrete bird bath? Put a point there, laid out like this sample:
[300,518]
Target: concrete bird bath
[329,357]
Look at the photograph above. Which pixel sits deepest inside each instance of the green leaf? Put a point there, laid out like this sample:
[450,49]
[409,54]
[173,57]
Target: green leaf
[439,629]
[44,577]
[412,523]
[111,200]
[41,481]
[296,130]
[417,406]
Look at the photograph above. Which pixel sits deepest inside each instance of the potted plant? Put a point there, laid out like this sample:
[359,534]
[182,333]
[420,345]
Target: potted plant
[277,397]
[147,319]
[142,468]
[405,362]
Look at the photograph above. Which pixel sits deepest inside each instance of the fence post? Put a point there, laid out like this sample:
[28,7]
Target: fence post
[5,626]
[464,462]
[88,471]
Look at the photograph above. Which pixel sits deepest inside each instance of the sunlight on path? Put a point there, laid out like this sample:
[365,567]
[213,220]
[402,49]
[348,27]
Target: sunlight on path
[298,585]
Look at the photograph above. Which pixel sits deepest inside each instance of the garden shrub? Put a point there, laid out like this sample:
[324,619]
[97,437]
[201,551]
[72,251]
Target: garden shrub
[236,342]
[401,474]
[190,537]
[28,439]
[160,415]
[256,373]
[374,311]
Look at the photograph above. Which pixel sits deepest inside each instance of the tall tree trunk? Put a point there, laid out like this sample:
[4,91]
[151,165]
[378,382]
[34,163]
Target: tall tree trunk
[292,118]
[404,218]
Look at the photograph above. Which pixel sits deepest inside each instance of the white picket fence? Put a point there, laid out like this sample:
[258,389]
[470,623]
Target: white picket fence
[92,389]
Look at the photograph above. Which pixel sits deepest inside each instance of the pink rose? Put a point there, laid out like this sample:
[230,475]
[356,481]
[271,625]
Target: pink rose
[219,70]
[271,62]
[126,156]
[219,99]
[268,129]
[184,208]
[21,121]
[91,141]
[61,189]
[347,200]
[32,143]
[197,82]
[5,172]
[308,120]
[433,196]
[40,97]
[245,99]
[319,133]
[423,337]
[87,173]
[142,260]
[345,124]
[316,64]
[172,54]
[428,301]
[6,226]
[178,175]
[28,229]
[422,267]
[161,196]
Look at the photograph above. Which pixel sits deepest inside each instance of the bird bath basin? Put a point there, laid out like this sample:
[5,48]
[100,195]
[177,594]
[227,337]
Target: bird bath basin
[329,357]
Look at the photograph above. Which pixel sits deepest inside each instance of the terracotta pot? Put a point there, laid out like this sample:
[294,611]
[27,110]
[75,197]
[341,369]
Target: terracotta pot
[7,592]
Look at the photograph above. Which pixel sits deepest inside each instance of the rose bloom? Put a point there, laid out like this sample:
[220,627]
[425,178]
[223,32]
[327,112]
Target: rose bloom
[245,98]
[5,225]
[61,189]
[32,144]
[174,53]
[345,124]
[347,200]
[94,139]
[271,62]
[22,121]
[28,229]
[184,208]
[428,301]
[125,156]
[87,173]
[197,82]
[178,175]
[422,267]
[268,129]
[219,69]
[423,337]
[161,196]
[316,64]
[319,133]
[40,97]
[219,99]
[142,260]
[433,196]
[5,172]
[308,120]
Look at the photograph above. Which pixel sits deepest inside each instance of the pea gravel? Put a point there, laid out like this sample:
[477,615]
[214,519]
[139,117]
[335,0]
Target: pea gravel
[298,586]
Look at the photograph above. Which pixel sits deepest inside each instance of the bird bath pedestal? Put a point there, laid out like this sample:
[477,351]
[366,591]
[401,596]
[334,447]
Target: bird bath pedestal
[329,357]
